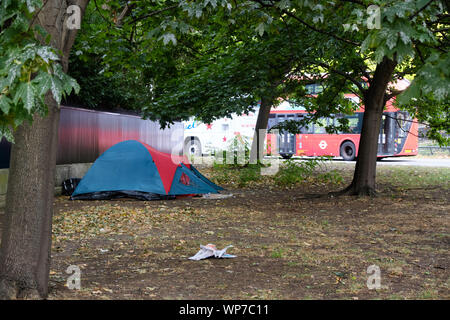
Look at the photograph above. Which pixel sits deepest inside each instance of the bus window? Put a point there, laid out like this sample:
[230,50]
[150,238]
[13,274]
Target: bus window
[272,120]
[354,123]
[403,123]
[307,129]
[319,127]
[313,88]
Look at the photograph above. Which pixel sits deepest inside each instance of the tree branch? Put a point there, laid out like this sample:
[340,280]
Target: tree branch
[100,13]
[290,14]
[421,9]
[125,12]
[345,75]
[145,16]
[356,2]
[37,13]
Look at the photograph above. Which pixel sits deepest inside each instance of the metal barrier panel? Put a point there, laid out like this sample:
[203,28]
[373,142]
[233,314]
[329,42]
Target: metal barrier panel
[77,135]
[86,134]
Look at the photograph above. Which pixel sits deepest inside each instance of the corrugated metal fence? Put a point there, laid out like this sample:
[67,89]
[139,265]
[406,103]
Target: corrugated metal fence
[86,134]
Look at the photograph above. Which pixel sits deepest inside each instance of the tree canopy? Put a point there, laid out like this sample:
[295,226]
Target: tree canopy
[175,59]
[29,66]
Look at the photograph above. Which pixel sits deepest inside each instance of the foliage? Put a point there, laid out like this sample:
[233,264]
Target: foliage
[29,68]
[236,154]
[332,176]
[249,174]
[411,33]
[214,58]
[121,90]
[293,172]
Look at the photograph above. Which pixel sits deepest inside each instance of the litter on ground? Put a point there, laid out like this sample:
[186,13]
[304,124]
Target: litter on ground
[214,196]
[209,251]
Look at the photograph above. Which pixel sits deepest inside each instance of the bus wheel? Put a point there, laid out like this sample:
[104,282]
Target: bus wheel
[348,151]
[286,155]
[192,147]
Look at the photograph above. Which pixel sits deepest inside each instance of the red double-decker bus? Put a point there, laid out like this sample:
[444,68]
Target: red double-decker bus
[398,135]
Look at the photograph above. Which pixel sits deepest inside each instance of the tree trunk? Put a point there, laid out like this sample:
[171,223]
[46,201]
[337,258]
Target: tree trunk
[257,150]
[374,101]
[26,238]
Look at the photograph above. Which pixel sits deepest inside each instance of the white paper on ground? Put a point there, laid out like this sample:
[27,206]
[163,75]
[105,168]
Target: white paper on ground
[210,250]
[215,196]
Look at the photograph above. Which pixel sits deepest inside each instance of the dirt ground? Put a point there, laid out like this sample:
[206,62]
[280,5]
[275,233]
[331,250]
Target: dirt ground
[288,245]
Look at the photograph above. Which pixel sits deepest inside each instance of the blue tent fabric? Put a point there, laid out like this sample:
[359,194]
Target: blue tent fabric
[192,184]
[127,169]
[204,179]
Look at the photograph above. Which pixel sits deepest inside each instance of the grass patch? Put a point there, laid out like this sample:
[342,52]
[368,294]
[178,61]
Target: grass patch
[290,173]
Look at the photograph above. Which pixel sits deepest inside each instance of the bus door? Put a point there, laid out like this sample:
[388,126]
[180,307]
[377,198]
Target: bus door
[305,140]
[273,120]
[401,128]
[286,140]
[386,141]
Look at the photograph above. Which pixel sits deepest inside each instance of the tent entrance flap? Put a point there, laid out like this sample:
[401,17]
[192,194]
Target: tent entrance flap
[204,179]
[186,181]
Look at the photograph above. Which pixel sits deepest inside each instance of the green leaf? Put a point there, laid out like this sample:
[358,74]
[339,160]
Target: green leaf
[5,104]
[47,54]
[260,28]
[168,37]
[26,93]
[283,4]
[13,73]
[43,82]
[71,84]
[33,4]
[57,89]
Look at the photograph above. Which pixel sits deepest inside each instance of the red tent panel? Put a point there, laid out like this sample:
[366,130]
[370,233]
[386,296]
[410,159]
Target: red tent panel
[166,164]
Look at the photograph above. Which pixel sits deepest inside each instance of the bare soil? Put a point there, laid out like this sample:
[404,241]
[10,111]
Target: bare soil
[288,245]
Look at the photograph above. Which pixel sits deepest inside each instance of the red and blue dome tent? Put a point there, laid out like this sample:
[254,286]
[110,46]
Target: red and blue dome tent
[134,169]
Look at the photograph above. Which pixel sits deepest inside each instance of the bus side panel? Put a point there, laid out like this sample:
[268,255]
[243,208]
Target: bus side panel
[304,144]
[299,149]
[326,145]
[411,146]
[311,145]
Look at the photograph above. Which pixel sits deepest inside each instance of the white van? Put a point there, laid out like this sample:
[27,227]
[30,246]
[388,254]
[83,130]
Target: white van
[206,138]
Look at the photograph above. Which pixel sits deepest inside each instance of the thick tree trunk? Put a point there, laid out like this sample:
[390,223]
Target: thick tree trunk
[257,150]
[374,101]
[26,241]
[26,238]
